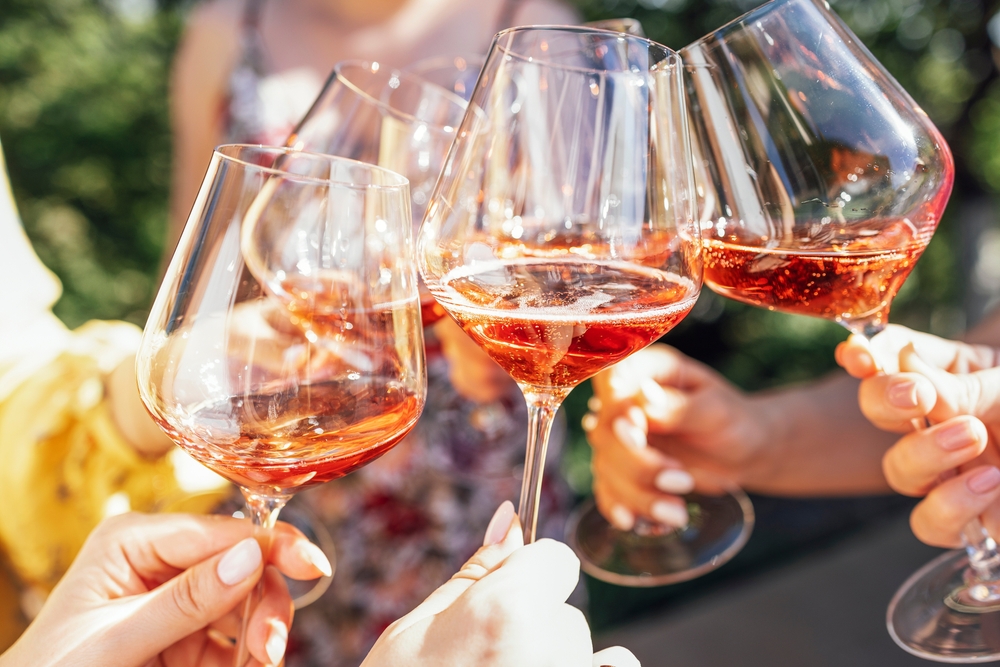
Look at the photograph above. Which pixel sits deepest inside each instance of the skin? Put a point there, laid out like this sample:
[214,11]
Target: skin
[163,590]
[149,590]
[952,464]
[661,411]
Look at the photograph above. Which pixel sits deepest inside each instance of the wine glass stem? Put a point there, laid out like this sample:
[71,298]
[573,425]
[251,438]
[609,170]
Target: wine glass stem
[984,557]
[542,408]
[263,511]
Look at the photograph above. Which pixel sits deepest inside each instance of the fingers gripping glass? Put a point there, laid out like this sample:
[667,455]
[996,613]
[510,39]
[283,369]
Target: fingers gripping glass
[824,182]
[284,348]
[561,235]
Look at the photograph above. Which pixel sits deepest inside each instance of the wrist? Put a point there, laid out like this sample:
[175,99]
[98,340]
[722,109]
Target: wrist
[766,440]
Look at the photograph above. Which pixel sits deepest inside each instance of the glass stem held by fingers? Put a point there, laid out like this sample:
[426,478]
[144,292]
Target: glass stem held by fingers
[264,512]
[561,235]
[284,348]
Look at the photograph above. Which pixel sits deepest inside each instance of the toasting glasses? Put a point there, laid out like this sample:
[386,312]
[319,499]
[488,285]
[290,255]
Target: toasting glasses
[824,183]
[284,348]
[397,120]
[561,235]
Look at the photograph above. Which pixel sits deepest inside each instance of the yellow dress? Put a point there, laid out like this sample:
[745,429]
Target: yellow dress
[63,464]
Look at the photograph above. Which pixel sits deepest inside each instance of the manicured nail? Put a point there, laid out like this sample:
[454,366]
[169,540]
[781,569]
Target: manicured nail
[670,514]
[955,436]
[622,387]
[903,395]
[621,518]
[628,433]
[499,524]
[985,481]
[657,400]
[240,562]
[594,404]
[674,481]
[219,639]
[589,422]
[314,555]
[277,640]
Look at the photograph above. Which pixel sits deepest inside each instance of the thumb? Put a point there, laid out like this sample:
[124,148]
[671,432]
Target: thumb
[503,537]
[616,656]
[976,394]
[198,596]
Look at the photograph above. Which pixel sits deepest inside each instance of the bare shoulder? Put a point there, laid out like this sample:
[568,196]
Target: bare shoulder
[210,45]
[546,12]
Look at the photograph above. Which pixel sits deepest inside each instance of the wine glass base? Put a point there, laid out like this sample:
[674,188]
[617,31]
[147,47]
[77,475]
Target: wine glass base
[720,526]
[936,616]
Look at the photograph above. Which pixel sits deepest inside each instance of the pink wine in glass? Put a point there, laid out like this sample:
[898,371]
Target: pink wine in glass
[855,281]
[553,322]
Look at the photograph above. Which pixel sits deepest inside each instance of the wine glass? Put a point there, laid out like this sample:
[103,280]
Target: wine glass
[284,347]
[823,183]
[397,120]
[561,235]
[455,73]
[625,24]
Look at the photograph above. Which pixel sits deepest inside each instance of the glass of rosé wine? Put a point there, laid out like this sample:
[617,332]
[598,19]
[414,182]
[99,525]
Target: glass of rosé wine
[562,235]
[284,348]
[822,183]
[395,119]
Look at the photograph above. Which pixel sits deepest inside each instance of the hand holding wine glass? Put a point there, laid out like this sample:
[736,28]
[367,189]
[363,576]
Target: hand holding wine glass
[284,348]
[561,235]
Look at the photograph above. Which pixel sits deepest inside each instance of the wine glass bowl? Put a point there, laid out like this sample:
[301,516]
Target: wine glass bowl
[395,119]
[284,348]
[822,183]
[561,235]
[825,180]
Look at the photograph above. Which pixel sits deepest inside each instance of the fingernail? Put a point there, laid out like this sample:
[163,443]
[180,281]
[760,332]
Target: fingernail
[314,555]
[674,481]
[589,422]
[657,401]
[594,404]
[499,524]
[277,640]
[670,514]
[622,387]
[240,562]
[903,395]
[621,518]
[628,433]
[219,639]
[955,437]
[985,481]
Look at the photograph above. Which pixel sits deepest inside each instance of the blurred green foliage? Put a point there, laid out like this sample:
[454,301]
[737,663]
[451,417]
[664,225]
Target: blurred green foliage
[84,123]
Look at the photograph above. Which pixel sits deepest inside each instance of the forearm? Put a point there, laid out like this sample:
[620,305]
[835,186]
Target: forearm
[818,443]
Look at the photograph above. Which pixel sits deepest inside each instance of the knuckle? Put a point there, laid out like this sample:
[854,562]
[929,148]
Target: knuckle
[187,599]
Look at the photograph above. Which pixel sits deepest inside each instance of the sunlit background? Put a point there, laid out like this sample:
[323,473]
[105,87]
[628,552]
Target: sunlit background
[85,128]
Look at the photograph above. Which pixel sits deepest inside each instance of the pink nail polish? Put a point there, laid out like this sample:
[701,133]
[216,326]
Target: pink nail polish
[903,395]
[499,524]
[955,437]
[240,562]
[985,481]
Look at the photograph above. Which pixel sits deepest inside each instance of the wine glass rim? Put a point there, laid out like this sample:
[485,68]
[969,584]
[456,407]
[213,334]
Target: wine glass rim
[760,10]
[375,67]
[667,51]
[399,183]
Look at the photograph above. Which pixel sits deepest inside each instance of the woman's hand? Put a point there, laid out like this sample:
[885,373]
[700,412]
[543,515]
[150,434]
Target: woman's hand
[474,375]
[168,588]
[658,420]
[505,608]
[956,387]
